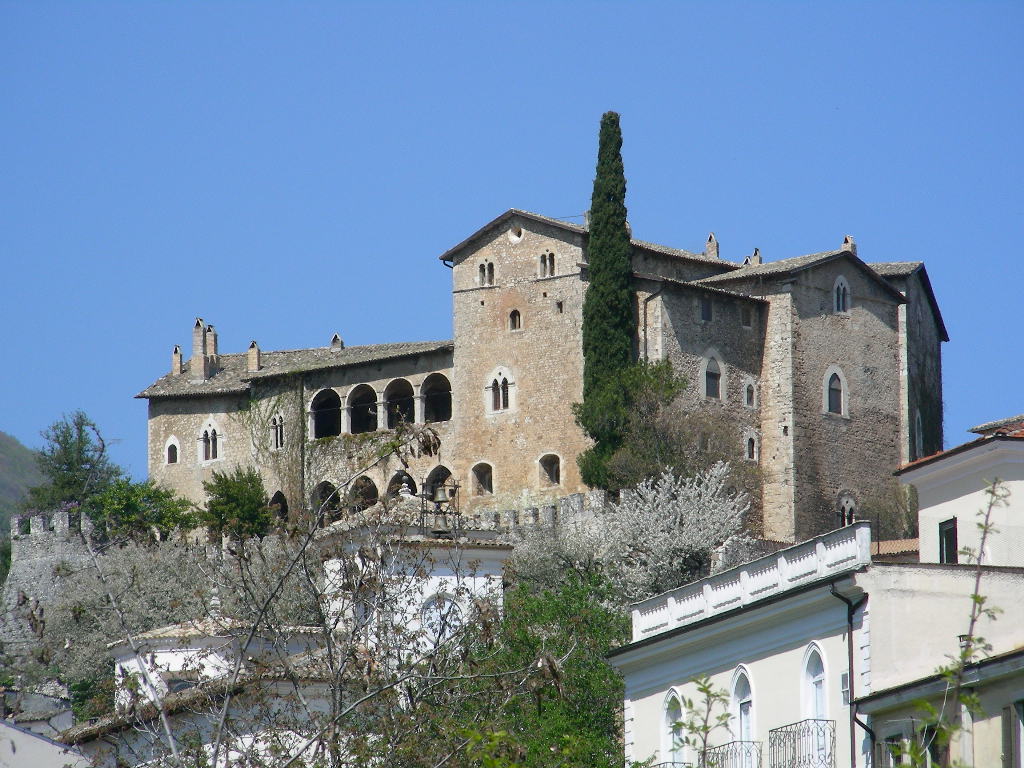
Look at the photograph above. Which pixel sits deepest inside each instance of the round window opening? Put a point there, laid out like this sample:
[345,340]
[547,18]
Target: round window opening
[515,234]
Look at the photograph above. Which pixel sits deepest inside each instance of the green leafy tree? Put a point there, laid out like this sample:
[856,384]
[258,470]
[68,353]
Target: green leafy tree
[609,325]
[74,463]
[237,505]
[141,511]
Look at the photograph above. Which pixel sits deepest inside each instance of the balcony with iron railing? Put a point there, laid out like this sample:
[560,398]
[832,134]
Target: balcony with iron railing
[735,754]
[805,744]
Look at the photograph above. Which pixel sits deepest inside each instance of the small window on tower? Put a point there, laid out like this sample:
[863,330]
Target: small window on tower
[172,454]
[515,321]
[746,317]
[705,310]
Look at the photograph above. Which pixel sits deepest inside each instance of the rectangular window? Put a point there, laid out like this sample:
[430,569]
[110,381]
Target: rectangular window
[947,542]
[746,317]
[705,310]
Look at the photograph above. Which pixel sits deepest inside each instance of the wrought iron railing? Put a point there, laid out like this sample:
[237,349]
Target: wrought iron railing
[735,754]
[806,744]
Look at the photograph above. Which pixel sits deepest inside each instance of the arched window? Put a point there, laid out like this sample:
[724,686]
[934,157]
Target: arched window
[436,479]
[835,394]
[672,738]
[325,500]
[213,444]
[277,433]
[483,480]
[814,685]
[401,484]
[441,618]
[363,494]
[279,506]
[841,296]
[482,277]
[547,264]
[172,453]
[816,709]
[713,379]
[550,470]
[326,409]
[362,404]
[504,394]
[751,449]
[205,440]
[743,708]
[846,508]
[515,321]
[490,273]
[398,400]
[749,396]
[437,398]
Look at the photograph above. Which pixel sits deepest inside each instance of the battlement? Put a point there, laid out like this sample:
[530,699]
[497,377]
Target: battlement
[570,506]
[33,531]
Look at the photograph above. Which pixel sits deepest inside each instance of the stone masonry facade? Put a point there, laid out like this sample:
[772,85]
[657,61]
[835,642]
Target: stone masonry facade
[828,369]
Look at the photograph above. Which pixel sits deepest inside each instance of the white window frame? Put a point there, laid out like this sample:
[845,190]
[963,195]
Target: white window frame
[736,706]
[671,751]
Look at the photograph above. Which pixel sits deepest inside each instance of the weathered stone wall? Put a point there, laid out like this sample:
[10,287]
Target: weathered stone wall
[542,360]
[854,452]
[245,439]
[921,370]
[51,546]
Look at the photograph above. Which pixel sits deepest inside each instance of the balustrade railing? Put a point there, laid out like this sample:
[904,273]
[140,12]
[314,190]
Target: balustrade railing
[805,744]
[735,754]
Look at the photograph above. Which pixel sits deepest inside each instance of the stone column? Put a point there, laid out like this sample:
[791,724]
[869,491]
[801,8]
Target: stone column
[346,420]
[418,404]
[382,414]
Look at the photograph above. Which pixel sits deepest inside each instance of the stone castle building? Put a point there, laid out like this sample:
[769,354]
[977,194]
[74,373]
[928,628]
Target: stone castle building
[827,368]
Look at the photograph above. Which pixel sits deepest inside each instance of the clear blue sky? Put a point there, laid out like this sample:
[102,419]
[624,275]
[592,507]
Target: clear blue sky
[287,170]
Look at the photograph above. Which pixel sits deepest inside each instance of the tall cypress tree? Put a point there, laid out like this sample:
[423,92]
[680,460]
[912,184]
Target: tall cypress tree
[609,326]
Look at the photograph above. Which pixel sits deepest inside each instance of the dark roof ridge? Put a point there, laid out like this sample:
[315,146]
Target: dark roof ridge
[795,264]
[697,286]
[580,230]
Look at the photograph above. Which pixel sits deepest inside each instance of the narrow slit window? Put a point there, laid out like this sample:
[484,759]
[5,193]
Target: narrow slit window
[172,454]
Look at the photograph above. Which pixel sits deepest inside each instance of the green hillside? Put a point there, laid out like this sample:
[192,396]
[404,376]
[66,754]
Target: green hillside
[18,473]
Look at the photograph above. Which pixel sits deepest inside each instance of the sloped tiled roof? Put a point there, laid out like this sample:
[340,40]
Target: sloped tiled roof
[1014,423]
[796,264]
[233,376]
[580,230]
[780,267]
[906,269]
[895,268]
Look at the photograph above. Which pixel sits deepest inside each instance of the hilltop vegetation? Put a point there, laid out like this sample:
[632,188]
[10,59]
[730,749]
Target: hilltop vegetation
[19,471]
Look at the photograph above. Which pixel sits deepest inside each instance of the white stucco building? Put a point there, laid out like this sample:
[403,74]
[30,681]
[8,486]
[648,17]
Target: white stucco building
[824,654]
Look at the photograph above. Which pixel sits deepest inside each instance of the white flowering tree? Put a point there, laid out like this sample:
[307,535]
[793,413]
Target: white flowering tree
[662,533]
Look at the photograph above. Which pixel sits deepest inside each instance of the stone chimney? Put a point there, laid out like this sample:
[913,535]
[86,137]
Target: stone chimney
[254,357]
[199,364]
[711,249]
[211,342]
[176,361]
[849,245]
[753,259]
[336,343]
